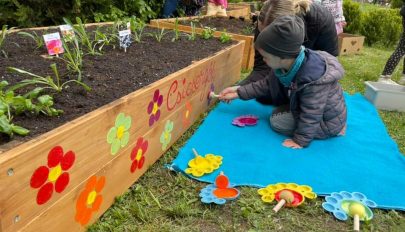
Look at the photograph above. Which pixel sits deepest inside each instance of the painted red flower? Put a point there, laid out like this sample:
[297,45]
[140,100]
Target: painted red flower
[153,107]
[54,175]
[138,154]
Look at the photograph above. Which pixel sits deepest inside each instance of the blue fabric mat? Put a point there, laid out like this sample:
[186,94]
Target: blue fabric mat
[366,160]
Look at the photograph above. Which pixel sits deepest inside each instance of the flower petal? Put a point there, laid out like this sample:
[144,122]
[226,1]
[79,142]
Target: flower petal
[141,162]
[84,217]
[125,139]
[151,120]
[39,177]
[100,184]
[45,193]
[112,134]
[127,122]
[120,120]
[81,202]
[150,107]
[169,126]
[156,95]
[67,160]
[115,147]
[55,155]
[160,101]
[97,203]
[157,115]
[91,184]
[144,146]
[134,166]
[62,182]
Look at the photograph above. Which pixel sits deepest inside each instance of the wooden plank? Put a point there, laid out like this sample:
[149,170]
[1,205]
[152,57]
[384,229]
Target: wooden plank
[86,136]
[248,51]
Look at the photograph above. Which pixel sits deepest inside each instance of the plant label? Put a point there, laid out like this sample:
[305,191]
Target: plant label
[129,26]
[67,32]
[125,39]
[53,43]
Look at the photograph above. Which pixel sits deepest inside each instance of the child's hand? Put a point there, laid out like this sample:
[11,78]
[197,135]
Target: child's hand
[291,144]
[229,94]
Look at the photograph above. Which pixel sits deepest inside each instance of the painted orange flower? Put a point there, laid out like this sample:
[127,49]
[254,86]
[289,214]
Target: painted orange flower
[89,200]
[187,115]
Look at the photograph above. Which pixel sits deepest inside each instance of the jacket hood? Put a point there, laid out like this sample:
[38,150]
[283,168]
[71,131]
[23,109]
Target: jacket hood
[319,68]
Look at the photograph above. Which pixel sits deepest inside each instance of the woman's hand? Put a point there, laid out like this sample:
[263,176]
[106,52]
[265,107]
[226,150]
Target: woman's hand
[229,94]
[291,144]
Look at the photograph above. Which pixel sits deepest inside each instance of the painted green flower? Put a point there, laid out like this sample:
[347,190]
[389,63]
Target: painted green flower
[166,135]
[118,136]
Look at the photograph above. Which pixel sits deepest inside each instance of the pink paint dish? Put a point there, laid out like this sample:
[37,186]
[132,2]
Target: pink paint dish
[245,120]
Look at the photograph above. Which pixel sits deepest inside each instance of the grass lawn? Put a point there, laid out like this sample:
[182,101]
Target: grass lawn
[166,201]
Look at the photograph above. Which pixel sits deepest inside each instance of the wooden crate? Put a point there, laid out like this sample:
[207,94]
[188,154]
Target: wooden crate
[248,51]
[350,44]
[93,175]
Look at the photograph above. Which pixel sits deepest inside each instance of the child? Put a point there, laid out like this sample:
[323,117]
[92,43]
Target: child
[336,9]
[303,85]
[393,61]
[217,7]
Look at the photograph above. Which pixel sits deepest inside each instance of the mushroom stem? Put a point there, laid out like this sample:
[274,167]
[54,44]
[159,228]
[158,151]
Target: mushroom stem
[195,152]
[279,205]
[356,224]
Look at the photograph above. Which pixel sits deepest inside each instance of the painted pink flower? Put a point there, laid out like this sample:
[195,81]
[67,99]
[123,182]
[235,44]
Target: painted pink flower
[153,107]
[54,175]
[138,154]
[245,120]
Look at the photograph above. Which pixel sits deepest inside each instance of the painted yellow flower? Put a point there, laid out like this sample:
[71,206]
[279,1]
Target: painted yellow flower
[300,192]
[118,136]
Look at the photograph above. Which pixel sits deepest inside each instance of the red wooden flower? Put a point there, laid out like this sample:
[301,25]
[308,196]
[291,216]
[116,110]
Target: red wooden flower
[54,175]
[138,154]
[89,200]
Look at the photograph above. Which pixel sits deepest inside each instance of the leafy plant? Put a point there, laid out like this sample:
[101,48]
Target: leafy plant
[35,37]
[193,34]
[104,39]
[137,27]
[48,82]
[32,102]
[80,31]
[225,37]
[176,30]
[208,33]
[158,35]
[3,35]
[248,30]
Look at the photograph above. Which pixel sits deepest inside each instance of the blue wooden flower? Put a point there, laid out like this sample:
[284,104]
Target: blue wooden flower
[344,204]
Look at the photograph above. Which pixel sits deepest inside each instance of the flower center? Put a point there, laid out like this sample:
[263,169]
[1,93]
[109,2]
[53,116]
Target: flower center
[187,113]
[120,132]
[55,173]
[92,197]
[155,108]
[138,154]
[166,135]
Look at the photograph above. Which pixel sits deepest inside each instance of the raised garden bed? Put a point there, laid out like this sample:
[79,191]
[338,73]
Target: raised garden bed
[141,102]
[237,30]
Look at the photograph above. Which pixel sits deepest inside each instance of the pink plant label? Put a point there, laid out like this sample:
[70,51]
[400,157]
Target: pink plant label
[245,120]
[53,43]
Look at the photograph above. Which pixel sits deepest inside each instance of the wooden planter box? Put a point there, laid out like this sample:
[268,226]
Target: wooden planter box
[350,44]
[94,171]
[248,51]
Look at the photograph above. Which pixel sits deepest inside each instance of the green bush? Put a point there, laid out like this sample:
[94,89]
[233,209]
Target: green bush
[396,3]
[382,25]
[353,16]
[30,13]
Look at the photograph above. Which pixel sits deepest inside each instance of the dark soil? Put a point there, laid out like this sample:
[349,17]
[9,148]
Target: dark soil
[232,25]
[110,76]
